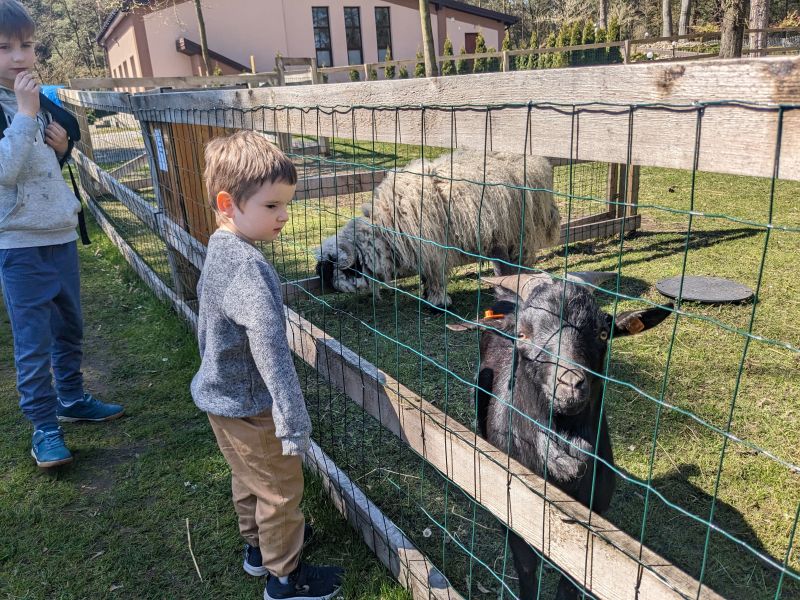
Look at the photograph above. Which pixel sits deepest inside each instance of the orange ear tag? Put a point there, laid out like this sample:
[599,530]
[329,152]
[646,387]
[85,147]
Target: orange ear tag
[490,314]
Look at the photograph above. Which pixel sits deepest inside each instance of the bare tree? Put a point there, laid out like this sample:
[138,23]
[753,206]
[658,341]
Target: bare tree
[431,69]
[602,17]
[201,24]
[683,21]
[666,18]
[733,21]
[759,19]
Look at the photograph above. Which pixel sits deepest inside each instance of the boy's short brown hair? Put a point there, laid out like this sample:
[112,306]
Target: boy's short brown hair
[15,22]
[241,163]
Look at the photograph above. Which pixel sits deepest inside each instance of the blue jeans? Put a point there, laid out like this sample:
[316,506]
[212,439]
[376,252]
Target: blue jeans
[41,288]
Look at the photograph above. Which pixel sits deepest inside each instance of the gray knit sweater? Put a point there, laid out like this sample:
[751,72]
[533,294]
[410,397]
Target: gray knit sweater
[246,366]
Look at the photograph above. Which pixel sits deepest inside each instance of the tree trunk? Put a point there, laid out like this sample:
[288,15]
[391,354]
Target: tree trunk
[733,20]
[431,68]
[602,19]
[683,22]
[759,19]
[666,18]
[201,24]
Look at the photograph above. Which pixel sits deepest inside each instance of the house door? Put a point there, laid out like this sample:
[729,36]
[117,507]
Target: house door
[470,40]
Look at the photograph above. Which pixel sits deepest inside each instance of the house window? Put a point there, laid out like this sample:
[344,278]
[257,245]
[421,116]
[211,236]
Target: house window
[322,36]
[383,31]
[352,29]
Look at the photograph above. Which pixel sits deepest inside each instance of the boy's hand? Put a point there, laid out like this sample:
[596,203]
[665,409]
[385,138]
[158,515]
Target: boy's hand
[55,136]
[26,89]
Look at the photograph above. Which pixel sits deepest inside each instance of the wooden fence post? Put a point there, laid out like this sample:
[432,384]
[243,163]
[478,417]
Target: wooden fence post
[626,52]
[505,61]
[322,142]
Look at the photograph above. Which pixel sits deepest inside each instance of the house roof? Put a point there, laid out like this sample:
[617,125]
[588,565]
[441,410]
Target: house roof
[126,6]
[476,10]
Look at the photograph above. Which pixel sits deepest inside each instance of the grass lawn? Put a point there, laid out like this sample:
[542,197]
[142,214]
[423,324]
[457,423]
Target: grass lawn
[113,525]
[696,365]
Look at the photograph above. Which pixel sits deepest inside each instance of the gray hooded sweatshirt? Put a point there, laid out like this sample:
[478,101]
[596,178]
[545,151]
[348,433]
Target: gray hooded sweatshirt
[37,207]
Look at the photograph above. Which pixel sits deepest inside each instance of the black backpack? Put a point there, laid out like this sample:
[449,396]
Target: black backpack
[70,124]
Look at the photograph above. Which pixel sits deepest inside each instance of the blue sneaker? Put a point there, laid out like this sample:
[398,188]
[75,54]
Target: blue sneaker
[252,555]
[48,448]
[306,582]
[88,409]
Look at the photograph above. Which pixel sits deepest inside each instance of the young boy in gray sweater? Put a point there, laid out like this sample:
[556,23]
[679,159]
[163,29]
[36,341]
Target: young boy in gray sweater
[247,383]
[38,252]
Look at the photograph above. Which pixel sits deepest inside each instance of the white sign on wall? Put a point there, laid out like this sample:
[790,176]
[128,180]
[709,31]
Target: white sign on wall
[160,151]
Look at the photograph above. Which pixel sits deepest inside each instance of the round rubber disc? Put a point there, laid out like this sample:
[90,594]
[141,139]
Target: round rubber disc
[713,290]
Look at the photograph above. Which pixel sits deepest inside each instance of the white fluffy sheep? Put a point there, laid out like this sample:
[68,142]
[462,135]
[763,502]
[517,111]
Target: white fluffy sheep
[439,214]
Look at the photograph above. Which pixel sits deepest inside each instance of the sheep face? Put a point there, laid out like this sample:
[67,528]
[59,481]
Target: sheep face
[563,347]
[340,263]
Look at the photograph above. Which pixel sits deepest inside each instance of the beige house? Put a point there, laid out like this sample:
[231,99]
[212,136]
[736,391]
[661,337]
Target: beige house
[149,39]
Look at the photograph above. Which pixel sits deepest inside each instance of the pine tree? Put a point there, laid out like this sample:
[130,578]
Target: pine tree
[419,68]
[462,65]
[448,67]
[549,59]
[402,72]
[389,70]
[373,74]
[612,35]
[575,33]
[560,58]
[600,38]
[505,48]
[588,38]
[533,59]
[481,64]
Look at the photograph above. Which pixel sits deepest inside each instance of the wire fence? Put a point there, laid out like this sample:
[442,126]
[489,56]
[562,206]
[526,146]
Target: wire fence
[702,410]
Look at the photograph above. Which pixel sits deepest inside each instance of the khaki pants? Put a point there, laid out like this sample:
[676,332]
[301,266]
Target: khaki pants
[267,488]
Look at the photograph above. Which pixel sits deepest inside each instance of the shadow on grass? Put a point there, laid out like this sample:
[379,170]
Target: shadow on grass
[735,569]
[653,245]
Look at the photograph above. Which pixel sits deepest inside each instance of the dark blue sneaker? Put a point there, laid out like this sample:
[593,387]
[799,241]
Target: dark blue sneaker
[252,555]
[48,448]
[306,582]
[88,409]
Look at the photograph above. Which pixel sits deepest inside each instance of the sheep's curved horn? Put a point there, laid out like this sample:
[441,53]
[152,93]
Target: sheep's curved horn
[522,284]
[592,277]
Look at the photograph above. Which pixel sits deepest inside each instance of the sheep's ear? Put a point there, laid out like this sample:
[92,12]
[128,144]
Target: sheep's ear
[637,321]
[501,322]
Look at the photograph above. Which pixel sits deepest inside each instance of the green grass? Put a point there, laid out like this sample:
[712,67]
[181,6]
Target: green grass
[757,497]
[113,524]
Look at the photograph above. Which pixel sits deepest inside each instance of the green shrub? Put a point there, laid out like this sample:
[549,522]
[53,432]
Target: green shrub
[462,64]
[448,67]
[419,68]
[355,75]
[612,35]
[481,65]
[533,59]
[389,70]
[373,74]
[505,47]
[403,72]
[588,38]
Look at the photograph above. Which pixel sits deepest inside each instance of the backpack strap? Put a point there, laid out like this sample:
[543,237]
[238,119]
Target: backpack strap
[3,123]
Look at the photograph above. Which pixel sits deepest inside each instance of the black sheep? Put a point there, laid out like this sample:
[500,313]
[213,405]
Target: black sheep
[561,344]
